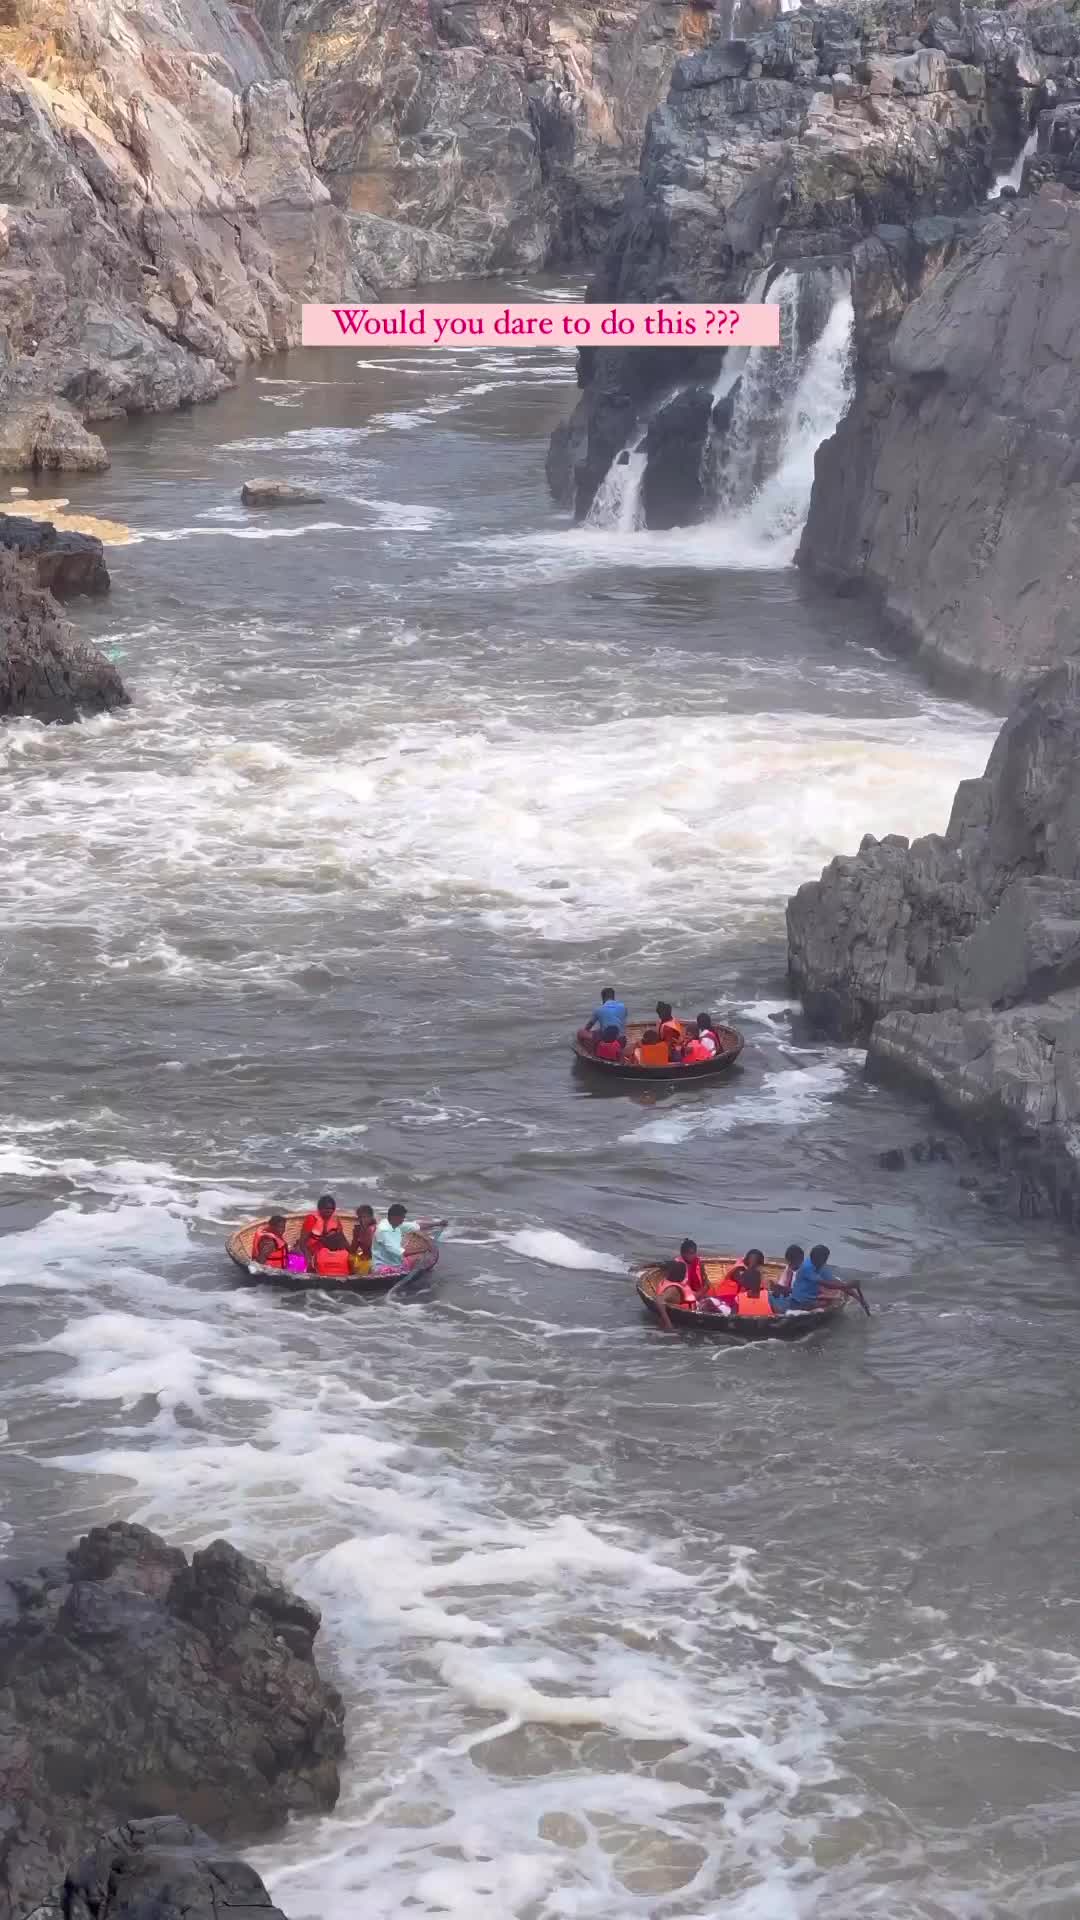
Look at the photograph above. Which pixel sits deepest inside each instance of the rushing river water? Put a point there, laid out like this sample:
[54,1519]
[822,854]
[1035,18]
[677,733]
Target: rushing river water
[627,1625]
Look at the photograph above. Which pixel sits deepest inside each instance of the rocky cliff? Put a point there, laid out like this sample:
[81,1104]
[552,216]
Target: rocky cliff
[833,135]
[161,1869]
[160,217]
[957,958]
[465,136]
[133,1684]
[951,489]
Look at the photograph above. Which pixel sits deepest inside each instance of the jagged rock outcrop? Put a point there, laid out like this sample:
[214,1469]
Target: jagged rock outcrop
[471,135]
[951,489]
[795,144]
[134,1684]
[160,218]
[65,564]
[162,1869]
[957,958]
[46,673]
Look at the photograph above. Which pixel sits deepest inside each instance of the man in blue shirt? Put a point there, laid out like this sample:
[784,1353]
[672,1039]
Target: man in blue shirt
[811,1284]
[610,1013]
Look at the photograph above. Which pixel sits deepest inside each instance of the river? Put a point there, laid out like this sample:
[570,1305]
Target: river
[627,1625]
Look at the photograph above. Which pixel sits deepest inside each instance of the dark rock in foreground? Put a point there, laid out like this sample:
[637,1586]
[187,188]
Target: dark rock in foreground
[134,1685]
[957,958]
[65,563]
[45,672]
[951,489]
[160,1869]
[279,493]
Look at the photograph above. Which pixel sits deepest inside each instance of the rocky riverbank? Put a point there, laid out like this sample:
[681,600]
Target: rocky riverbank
[134,1684]
[161,1869]
[957,958]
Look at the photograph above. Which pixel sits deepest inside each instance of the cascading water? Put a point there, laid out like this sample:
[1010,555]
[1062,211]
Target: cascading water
[618,503]
[1014,175]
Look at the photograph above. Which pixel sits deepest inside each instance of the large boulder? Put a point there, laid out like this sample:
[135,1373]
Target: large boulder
[45,672]
[951,488]
[957,958]
[134,1684]
[66,563]
[163,1869]
[279,493]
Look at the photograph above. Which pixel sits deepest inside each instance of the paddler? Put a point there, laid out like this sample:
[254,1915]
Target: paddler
[317,1225]
[815,1284]
[388,1245]
[611,1012]
[269,1248]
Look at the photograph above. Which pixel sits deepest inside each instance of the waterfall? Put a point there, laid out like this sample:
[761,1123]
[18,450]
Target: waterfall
[617,502]
[782,414]
[1014,178]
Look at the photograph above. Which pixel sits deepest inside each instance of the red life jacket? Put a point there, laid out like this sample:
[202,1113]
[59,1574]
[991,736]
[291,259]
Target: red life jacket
[696,1277]
[609,1049]
[279,1250]
[332,1261]
[694,1051]
[727,1287]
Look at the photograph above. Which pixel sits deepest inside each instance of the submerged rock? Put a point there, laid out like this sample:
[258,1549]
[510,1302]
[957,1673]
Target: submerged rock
[160,1869]
[279,493]
[957,958]
[66,563]
[134,1684]
[45,672]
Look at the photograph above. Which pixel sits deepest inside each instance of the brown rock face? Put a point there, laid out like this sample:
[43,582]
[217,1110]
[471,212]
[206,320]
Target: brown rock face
[504,130]
[65,563]
[45,672]
[952,488]
[162,218]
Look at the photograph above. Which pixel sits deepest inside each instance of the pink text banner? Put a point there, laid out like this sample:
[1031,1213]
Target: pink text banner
[447,324]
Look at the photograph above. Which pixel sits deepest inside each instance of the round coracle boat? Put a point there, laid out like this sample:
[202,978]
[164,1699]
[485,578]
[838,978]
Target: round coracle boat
[778,1326]
[421,1254]
[731,1045]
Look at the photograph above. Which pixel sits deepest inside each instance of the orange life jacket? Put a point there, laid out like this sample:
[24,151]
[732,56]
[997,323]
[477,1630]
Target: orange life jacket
[335,1263]
[279,1250]
[727,1287]
[656,1054]
[754,1305]
[672,1031]
[694,1051]
[687,1297]
[315,1226]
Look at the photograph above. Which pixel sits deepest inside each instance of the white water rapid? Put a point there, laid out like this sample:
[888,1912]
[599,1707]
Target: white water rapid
[618,502]
[1014,176]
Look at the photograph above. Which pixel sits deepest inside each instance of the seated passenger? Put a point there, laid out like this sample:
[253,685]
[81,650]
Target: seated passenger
[815,1284]
[610,1013]
[269,1247]
[363,1234]
[753,1301]
[696,1277]
[332,1256]
[694,1048]
[707,1033]
[793,1259]
[324,1220]
[668,1027]
[673,1291]
[734,1281]
[611,1046]
[651,1051]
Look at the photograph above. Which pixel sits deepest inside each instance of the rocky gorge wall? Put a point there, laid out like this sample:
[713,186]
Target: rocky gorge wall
[956,958]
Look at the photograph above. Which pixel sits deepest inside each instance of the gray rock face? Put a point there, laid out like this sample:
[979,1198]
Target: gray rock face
[951,489]
[160,1869]
[133,1684]
[279,493]
[45,672]
[957,958]
[800,140]
[65,563]
[160,217]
